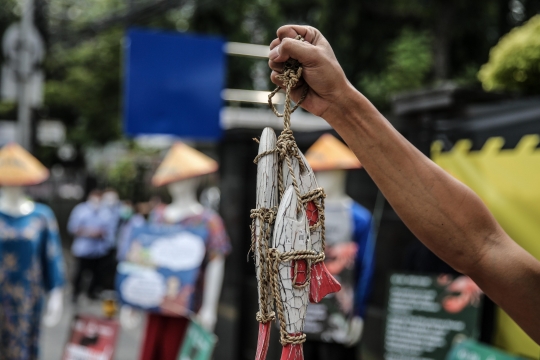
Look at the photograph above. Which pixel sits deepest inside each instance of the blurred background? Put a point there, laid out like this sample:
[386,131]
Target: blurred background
[440,71]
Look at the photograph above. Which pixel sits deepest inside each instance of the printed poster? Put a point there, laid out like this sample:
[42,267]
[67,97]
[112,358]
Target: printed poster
[91,338]
[428,314]
[161,269]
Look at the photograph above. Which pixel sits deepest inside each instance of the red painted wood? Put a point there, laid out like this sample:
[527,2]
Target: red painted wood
[299,268]
[263,340]
[312,213]
[292,351]
[322,283]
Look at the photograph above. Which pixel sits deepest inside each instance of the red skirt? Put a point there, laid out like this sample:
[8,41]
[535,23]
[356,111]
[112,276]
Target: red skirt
[163,337]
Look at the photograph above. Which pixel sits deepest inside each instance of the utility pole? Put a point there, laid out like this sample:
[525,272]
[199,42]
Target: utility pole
[22,80]
[24,113]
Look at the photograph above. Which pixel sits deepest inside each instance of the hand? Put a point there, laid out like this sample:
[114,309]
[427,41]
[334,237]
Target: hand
[356,328]
[129,317]
[55,305]
[207,318]
[321,70]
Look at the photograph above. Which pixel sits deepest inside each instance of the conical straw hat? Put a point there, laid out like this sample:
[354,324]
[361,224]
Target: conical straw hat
[328,153]
[183,162]
[20,168]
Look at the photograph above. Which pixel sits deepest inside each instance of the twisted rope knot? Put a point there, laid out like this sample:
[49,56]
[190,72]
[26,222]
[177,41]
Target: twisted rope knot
[292,72]
[292,339]
[265,317]
[264,214]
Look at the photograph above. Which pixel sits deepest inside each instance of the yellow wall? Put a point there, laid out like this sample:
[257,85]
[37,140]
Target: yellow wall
[508,181]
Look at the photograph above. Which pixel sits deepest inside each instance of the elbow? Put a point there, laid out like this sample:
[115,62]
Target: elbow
[472,262]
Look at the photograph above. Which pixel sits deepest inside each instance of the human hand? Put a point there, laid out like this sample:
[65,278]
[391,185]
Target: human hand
[55,304]
[321,70]
[207,318]
[356,329]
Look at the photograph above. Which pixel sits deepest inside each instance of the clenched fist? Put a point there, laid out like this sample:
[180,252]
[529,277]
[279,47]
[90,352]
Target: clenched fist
[327,82]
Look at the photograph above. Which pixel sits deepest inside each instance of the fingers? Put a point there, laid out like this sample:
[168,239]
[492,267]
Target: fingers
[275,43]
[310,34]
[276,66]
[302,51]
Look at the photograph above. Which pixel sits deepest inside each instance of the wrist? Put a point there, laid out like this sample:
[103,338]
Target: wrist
[347,103]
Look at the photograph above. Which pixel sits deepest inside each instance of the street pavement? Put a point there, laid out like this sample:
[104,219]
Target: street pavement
[53,340]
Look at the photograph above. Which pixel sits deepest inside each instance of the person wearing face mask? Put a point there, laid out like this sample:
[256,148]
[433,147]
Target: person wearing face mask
[90,225]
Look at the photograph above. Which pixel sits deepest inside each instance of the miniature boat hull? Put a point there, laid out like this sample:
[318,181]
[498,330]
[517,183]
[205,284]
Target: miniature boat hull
[291,233]
[322,282]
[267,198]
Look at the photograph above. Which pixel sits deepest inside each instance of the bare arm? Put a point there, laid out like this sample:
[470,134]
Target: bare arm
[443,213]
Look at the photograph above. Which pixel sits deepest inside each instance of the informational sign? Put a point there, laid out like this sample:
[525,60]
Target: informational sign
[161,268]
[91,338]
[173,84]
[198,344]
[428,314]
[472,350]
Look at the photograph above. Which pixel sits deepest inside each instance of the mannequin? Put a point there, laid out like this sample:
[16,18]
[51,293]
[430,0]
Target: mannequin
[184,205]
[14,203]
[336,324]
[30,257]
[333,182]
[180,171]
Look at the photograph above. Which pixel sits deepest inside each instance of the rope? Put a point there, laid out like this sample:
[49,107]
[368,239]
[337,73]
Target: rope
[270,258]
[266,218]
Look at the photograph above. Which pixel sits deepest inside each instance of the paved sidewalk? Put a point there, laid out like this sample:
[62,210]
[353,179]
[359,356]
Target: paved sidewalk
[54,339]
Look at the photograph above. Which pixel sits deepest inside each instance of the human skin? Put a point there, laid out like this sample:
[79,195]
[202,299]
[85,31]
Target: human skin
[447,216]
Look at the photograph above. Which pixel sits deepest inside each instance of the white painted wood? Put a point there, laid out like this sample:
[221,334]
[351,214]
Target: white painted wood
[291,232]
[306,182]
[267,190]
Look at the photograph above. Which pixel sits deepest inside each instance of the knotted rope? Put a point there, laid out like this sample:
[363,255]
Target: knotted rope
[266,218]
[270,258]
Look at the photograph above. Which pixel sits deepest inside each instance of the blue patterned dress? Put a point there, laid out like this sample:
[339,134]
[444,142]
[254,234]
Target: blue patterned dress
[30,264]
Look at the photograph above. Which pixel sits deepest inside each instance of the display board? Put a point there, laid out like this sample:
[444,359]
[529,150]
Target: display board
[472,350]
[173,84]
[161,269]
[428,314]
[198,344]
[91,338]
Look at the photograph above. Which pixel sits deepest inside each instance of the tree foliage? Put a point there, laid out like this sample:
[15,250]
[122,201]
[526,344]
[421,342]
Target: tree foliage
[514,63]
[384,46]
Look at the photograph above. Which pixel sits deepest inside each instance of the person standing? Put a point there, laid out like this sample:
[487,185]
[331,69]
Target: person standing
[90,224]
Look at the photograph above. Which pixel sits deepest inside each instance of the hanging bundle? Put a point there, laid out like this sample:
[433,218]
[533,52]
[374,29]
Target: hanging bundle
[290,213]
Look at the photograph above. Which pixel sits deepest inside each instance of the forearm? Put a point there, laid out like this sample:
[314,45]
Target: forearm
[443,213]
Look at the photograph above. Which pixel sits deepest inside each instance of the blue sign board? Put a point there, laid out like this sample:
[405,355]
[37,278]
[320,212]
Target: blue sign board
[173,84]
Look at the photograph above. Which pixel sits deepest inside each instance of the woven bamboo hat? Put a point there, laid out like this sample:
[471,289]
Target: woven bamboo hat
[328,153]
[183,162]
[20,168]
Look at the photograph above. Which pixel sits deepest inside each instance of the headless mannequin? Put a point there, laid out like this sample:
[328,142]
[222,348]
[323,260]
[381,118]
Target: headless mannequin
[184,205]
[13,202]
[333,182]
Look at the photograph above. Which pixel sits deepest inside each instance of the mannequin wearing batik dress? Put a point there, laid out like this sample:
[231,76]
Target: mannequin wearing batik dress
[165,333]
[335,325]
[31,262]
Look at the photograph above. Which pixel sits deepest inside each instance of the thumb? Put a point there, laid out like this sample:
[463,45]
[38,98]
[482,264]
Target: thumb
[302,51]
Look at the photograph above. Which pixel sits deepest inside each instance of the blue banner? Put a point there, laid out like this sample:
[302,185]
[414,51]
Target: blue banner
[173,84]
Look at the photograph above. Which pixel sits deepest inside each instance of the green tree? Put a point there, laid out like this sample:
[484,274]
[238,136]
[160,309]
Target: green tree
[514,63]
[384,46]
